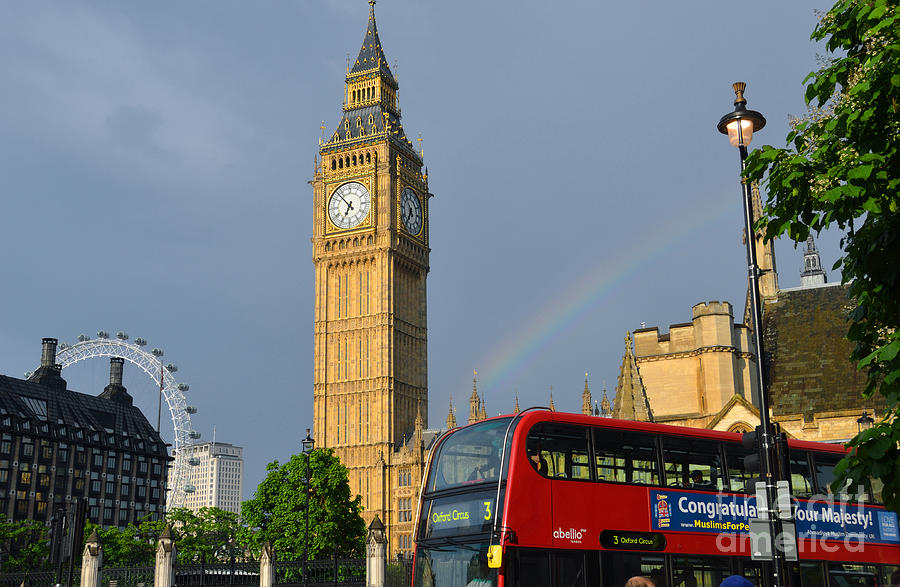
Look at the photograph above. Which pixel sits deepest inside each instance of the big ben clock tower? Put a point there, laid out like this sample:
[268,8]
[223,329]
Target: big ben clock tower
[370,251]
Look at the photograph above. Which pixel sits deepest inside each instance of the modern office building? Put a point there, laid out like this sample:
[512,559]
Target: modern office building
[215,476]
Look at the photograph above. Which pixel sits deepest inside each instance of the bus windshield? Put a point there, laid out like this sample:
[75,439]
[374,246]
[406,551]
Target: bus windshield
[469,455]
[452,565]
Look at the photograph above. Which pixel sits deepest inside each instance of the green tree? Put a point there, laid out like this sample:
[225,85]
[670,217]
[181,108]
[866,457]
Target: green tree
[209,535]
[841,168]
[134,545]
[276,512]
[24,545]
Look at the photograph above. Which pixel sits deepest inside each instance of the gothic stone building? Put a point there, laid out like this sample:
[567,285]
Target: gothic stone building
[699,373]
[58,445]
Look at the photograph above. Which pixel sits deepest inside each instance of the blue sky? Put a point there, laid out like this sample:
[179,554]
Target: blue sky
[155,158]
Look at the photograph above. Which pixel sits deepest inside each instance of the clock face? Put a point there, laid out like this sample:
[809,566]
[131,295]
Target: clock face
[349,205]
[411,211]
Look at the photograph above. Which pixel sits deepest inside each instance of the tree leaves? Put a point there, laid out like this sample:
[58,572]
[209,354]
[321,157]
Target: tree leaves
[277,512]
[842,168]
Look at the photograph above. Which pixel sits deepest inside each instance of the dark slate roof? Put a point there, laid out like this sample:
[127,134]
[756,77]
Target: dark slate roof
[56,412]
[807,353]
[371,55]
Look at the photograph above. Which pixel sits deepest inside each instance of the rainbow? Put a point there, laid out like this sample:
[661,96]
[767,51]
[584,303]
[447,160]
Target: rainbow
[507,357]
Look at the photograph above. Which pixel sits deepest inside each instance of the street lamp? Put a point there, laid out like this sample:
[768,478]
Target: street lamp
[740,125]
[865,421]
[308,444]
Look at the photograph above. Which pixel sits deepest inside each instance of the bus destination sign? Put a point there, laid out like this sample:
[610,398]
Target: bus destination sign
[625,540]
[450,515]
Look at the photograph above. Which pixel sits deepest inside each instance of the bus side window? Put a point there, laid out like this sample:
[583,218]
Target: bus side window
[823,466]
[739,479]
[564,448]
[625,457]
[801,480]
[693,463]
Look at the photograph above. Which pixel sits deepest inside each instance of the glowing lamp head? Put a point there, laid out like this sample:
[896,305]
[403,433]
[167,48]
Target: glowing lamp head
[740,124]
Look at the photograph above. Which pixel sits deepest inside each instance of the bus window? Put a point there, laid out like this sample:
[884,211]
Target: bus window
[740,481]
[462,565]
[625,457]
[877,489]
[823,466]
[564,448]
[750,570]
[618,567]
[533,568]
[569,569]
[890,576]
[471,455]
[699,571]
[850,575]
[693,463]
[801,480]
[812,574]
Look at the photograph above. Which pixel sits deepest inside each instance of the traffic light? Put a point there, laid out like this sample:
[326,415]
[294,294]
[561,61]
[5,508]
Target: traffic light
[753,461]
[782,457]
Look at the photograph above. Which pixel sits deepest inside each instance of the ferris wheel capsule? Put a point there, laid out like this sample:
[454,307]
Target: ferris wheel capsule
[83,338]
[183,387]
[122,335]
[102,334]
[140,341]
[191,410]
[171,368]
[157,352]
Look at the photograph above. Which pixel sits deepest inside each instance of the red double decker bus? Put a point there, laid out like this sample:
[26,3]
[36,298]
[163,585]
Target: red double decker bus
[552,499]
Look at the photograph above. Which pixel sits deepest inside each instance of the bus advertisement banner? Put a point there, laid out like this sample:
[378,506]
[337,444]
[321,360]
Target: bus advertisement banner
[685,511]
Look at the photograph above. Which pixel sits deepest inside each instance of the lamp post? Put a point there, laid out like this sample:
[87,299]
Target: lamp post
[864,422]
[739,125]
[308,444]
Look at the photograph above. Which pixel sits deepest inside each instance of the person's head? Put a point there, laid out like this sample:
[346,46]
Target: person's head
[639,581]
[735,581]
[697,476]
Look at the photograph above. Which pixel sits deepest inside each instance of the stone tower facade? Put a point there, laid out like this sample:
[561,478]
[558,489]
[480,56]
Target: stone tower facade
[370,252]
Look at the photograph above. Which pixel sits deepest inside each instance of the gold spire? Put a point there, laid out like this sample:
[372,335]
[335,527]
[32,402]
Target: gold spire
[605,409]
[516,409]
[474,400]
[451,416]
[552,407]
[586,397]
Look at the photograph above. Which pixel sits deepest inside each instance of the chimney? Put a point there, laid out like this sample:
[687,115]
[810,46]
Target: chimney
[115,390]
[48,352]
[49,373]
[115,371]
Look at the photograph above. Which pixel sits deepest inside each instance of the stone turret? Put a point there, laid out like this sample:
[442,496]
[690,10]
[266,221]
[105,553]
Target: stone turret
[631,397]
[586,398]
[474,400]
[451,416]
[812,274]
